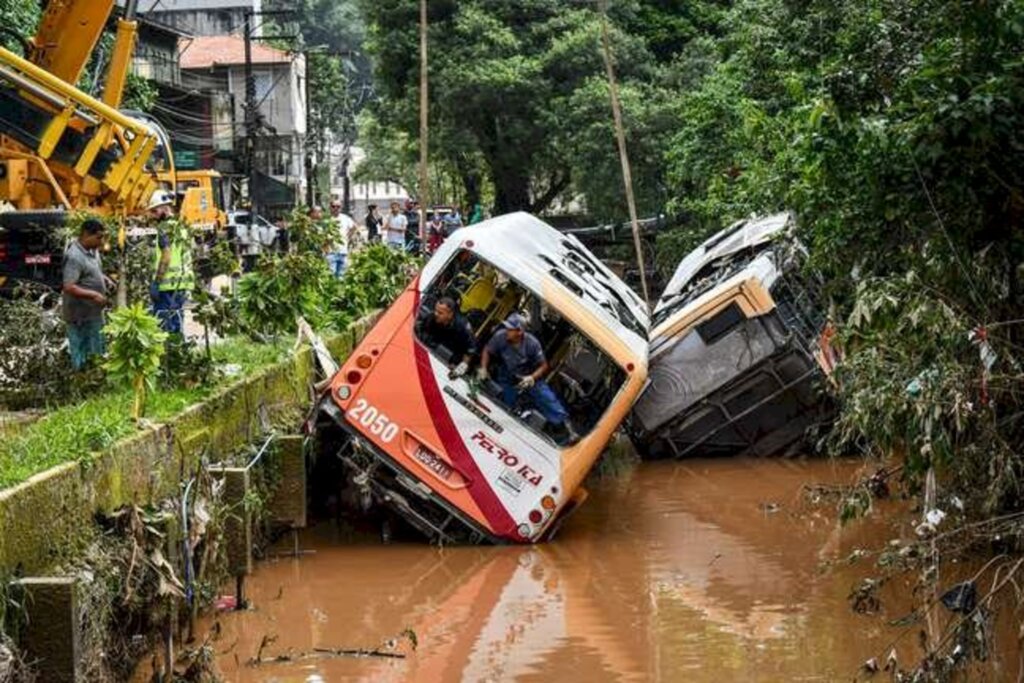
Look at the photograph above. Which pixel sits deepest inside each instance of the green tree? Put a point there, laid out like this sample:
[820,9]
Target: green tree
[512,84]
[894,130]
[18,19]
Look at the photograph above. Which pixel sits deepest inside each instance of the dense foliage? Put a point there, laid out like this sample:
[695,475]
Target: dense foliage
[375,275]
[18,19]
[34,365]
[894,130]
[299,283]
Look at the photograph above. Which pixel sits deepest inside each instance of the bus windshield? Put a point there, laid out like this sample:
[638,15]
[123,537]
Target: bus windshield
[581,381]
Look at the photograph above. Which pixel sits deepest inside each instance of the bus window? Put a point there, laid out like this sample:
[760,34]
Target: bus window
[584,380]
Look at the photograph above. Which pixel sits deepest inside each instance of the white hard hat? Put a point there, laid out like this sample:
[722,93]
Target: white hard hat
[160,198]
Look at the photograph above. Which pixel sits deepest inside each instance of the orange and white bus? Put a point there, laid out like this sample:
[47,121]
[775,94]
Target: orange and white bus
[464,460]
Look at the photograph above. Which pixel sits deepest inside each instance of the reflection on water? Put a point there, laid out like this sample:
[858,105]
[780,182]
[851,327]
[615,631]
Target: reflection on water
[697,571]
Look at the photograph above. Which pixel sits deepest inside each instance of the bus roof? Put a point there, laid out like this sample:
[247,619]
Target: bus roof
[738,236]
[534,254]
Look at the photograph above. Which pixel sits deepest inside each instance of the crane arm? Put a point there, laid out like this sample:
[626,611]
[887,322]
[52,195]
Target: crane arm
[121,56]
[67,34]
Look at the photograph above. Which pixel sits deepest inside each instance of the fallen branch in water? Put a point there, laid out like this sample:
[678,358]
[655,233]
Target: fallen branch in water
[385,651]
[358,653]
[321,652]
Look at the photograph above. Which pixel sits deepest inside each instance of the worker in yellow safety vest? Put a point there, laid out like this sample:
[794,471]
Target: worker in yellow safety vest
[173,276]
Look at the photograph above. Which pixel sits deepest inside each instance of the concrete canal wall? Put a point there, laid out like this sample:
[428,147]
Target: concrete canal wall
[50,517]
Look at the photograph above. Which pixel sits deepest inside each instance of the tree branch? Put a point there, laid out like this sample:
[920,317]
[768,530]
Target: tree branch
[559,181]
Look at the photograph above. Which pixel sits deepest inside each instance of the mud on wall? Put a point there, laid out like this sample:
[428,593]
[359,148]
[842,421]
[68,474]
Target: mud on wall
[50,516]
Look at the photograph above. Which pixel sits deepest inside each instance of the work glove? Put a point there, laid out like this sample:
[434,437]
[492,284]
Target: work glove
[154,291]
[481,374]
[460,370]
[527,382]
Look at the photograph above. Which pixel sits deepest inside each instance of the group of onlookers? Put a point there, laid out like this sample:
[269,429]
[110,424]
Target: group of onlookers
[393,228]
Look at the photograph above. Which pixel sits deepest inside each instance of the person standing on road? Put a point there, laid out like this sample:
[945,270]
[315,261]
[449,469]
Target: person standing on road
[343,224]
[394,227]
[523,369]
[436,233]
[173,277]
[478,214]
[452,222]
[85,294]
[372,221]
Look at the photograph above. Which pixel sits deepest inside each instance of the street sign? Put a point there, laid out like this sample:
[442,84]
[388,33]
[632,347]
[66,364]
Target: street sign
[186,159]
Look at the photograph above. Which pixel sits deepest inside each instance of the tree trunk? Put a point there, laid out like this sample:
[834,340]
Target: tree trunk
[139,385]
[511,190]
[472,182]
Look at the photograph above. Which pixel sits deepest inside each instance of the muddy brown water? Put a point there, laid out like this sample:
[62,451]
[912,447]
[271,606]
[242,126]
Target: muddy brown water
[695,571]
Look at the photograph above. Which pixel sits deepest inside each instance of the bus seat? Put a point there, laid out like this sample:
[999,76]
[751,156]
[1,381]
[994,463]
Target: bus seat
[480,294]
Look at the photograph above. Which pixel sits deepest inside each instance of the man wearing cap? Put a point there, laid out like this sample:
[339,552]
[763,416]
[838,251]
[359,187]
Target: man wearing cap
[524,368]
[85,293]
[173,276]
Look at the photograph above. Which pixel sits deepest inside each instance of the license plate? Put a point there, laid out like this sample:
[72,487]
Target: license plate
[512,480]
[37,259]
[433,463]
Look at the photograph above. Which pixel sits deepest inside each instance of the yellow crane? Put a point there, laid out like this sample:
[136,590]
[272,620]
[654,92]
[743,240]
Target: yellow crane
[63,150]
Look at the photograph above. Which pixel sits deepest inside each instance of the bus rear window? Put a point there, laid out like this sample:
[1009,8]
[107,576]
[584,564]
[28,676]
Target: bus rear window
[582,380]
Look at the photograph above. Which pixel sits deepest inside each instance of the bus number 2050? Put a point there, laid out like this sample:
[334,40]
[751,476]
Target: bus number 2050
[377,422]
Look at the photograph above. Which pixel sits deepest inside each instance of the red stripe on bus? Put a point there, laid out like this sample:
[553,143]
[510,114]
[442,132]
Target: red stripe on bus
[483,495]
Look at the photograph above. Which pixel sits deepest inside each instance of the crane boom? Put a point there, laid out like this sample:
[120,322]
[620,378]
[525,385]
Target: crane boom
[67,35]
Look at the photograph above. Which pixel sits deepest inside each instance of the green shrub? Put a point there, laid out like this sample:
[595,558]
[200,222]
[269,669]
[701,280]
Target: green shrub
[376,275]
[136,348]
[282,288]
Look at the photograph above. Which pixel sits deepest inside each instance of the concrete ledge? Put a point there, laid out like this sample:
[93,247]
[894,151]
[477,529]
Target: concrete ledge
[50,516]
[43,520]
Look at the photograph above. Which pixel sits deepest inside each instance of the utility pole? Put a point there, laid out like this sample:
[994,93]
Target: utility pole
[620,134]
[250,117]
[310,166]
[346,191]
[424,127]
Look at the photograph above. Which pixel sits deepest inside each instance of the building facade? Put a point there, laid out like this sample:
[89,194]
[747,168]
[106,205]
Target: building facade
[216,64]
[202,17]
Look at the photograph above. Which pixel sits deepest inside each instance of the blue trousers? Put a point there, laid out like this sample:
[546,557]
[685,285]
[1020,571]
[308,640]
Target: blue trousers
[85,340]
[169,307]
[541,396]
[337,262]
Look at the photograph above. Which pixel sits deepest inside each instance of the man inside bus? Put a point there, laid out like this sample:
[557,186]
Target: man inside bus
[523,369]
[445,327]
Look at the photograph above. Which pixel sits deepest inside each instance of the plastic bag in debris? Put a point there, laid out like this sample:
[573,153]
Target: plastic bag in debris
[961,598]
[979,337]
[935,516]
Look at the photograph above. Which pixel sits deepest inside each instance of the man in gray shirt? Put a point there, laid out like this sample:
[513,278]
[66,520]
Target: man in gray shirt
[84,290]
[523,369]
